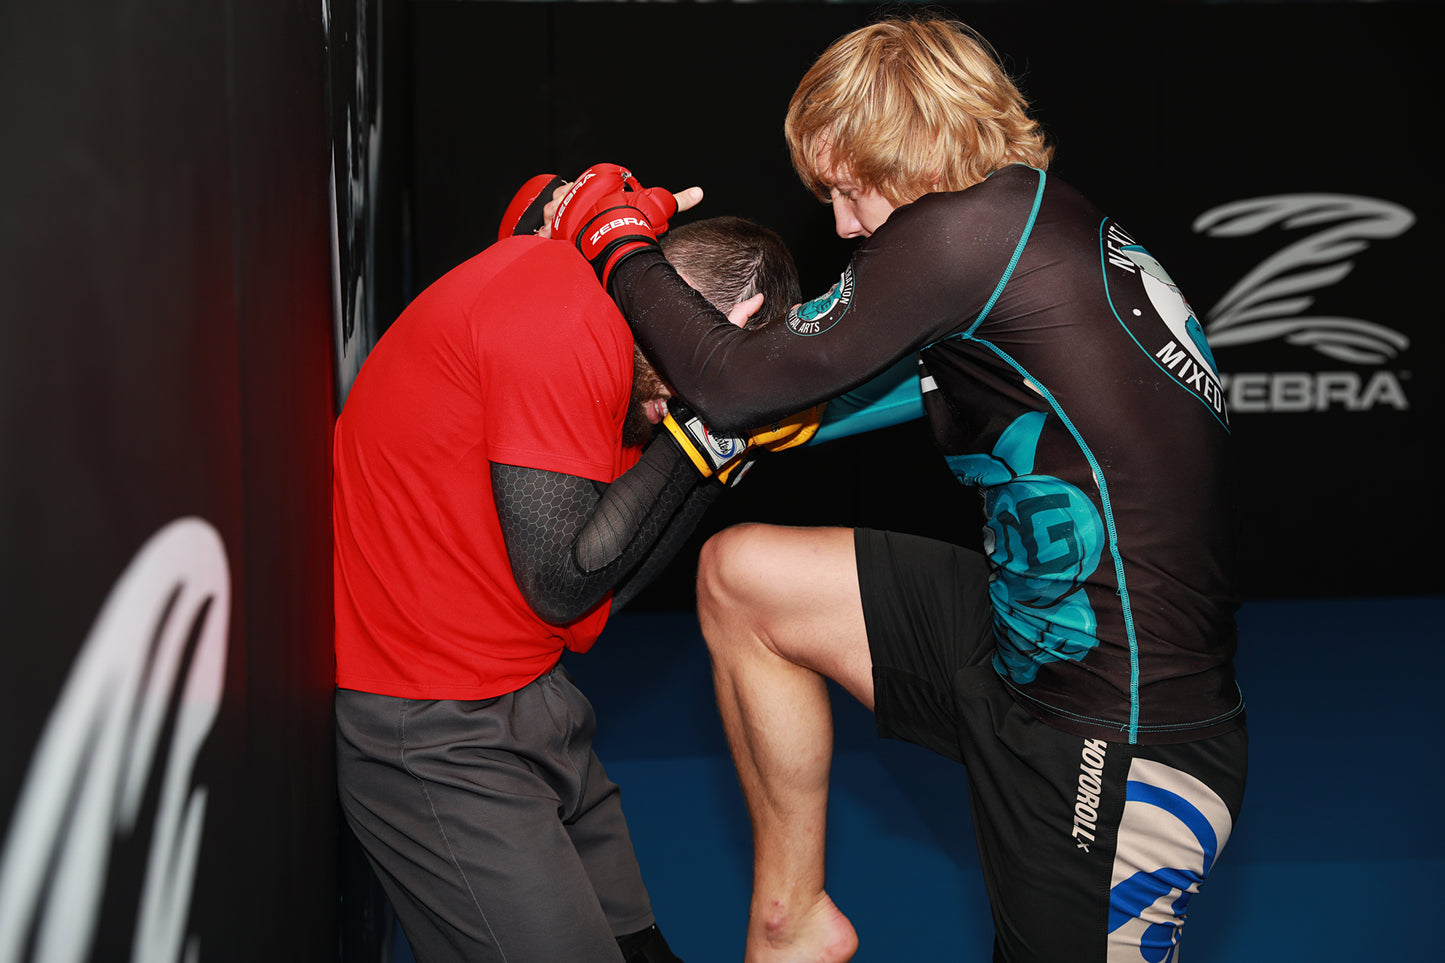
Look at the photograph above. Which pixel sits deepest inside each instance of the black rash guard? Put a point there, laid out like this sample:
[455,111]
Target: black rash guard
[1066,379]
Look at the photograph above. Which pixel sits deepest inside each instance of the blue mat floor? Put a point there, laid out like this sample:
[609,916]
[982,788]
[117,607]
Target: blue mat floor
[1335,858]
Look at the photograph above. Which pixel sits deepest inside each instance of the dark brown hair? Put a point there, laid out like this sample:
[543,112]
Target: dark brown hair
[730,259]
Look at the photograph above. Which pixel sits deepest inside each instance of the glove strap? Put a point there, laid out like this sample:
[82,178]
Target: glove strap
[709,453]
[613,235]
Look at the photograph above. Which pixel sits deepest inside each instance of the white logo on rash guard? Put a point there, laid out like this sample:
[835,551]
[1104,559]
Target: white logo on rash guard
[1179,346]
[1091,785]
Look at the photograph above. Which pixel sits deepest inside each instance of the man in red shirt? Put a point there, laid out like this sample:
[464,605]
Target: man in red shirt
[497,494]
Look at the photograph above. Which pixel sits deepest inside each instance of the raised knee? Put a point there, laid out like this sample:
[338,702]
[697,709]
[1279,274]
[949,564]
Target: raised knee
[728,569]
[722,565]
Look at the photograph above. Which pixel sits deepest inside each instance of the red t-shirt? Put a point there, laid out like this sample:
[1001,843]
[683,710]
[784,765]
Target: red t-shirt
[516,356]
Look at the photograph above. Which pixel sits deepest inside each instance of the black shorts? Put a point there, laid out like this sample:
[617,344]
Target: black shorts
[1090,849]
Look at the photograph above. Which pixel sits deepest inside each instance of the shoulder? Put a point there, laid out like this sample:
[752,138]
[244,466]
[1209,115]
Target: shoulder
[1012,185]
[1010,191]
[531,276]
[1011,195]
[992,211]
[524,261]
[542,296]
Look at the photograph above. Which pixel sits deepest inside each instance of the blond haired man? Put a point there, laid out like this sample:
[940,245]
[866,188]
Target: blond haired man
[1081,664]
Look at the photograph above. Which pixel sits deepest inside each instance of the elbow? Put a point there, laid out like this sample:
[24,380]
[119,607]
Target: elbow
[559,612]
[559,615]
[551,606]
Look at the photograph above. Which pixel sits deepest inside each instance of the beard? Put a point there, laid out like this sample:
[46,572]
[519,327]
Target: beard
[646,386]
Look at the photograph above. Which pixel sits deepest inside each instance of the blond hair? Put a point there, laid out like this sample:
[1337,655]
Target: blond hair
[910,105]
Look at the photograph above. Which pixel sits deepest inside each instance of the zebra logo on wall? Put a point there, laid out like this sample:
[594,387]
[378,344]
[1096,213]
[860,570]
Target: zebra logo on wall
[1280,299]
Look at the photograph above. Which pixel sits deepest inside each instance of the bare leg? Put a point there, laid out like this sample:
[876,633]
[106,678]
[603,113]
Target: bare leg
[781,613]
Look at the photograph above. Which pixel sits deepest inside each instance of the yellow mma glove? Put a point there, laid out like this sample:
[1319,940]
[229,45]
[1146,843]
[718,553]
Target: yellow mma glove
[726,456]
[788,432]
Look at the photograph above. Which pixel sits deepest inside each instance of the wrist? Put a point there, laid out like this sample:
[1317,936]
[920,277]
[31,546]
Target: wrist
[612,235]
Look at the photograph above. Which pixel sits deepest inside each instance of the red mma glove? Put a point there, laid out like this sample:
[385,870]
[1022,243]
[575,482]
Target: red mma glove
[524,214]
[609,216]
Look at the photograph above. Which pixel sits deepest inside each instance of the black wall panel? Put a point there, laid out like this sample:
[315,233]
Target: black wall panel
[164,483]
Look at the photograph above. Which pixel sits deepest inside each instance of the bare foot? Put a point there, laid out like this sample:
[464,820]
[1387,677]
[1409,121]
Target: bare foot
[815,934]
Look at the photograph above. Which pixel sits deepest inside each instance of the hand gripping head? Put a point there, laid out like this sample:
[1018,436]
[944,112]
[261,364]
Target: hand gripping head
[609,216]
[596,183]
[598,188]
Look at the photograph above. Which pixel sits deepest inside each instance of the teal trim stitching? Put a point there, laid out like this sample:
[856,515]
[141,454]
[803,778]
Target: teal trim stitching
[1013,261]
[1109,524]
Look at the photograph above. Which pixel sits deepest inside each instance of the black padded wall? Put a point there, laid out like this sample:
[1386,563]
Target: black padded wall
[165,786]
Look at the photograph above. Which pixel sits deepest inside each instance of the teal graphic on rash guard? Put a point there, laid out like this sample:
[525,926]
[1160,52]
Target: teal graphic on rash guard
[821,313]
[1044,537]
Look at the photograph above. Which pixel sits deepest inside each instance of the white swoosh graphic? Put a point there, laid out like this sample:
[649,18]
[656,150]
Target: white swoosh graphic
[155,654]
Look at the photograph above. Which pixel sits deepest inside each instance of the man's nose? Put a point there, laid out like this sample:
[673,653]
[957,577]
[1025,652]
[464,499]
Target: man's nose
[845,221]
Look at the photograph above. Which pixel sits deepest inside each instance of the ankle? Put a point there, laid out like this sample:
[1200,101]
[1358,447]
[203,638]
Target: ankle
[781,927]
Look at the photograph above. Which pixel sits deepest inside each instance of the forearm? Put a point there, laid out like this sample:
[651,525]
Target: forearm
[678,531]
[738,379]
[635,510]
[735,378]
[568,555]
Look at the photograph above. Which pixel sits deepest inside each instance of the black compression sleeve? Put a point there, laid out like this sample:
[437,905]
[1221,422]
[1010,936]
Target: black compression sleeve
[571,540]
[903,290]
[736,378]
[683,523]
